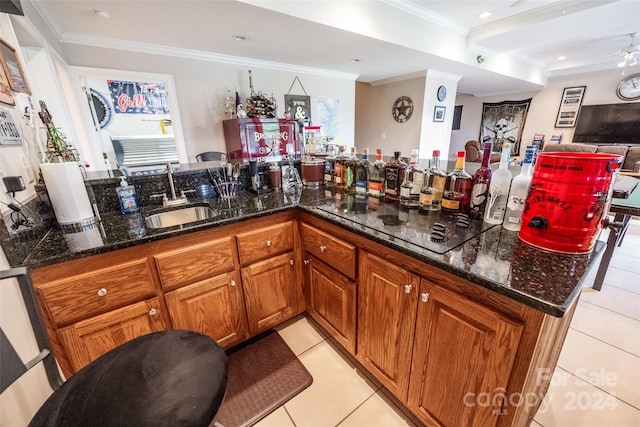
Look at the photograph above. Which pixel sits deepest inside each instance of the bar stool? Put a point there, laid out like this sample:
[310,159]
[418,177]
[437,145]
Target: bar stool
[169,378]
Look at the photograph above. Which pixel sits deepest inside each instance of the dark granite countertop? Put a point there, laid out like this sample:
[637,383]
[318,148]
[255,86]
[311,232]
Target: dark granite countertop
[489,256]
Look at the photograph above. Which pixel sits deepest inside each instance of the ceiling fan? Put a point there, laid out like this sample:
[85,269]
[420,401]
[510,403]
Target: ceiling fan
[629,54]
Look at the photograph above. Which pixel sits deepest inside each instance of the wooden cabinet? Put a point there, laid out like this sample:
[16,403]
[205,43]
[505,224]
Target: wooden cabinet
[462,351]
[336,252]
[271,293]
[89,339]
[214,307]
[331,301]
[387,305]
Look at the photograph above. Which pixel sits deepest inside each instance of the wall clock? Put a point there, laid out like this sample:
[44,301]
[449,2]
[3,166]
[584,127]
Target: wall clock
[402,109]
[629,88]
[442,93]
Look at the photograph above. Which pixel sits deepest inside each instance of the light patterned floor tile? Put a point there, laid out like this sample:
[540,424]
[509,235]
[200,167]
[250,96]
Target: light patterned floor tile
[622,279]
[337,389]
[608,368]
[625,262]
[377,411]
[571,402]
[607,326]
[278,418]
[615,299]
[300,334]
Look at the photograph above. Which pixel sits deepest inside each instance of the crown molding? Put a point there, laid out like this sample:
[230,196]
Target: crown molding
[434,18]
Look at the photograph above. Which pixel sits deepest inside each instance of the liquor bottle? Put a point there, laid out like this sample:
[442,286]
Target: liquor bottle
[457,189]
[376,176]
[338,172]
[433,186]
[406,192]
[349,172]
[519,192]
[416,175]
[329,166]
[393,177]
[499,189]
[362,173]
[480,188]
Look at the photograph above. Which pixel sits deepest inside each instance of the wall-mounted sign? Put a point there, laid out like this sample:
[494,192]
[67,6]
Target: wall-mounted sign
[570,106]
[138,97]
[9,134]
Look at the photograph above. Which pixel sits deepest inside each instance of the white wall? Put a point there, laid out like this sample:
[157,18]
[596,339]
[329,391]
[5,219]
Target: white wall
[601,89]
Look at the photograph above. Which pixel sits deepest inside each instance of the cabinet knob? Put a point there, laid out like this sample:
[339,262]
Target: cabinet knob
[407,289]
[323,248]
[291,261]
[269,243]
[306,262]
[233,283]
[424,297]
[153,312]
[102,292]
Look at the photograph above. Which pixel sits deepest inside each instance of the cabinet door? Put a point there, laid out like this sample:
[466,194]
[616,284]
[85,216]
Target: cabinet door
[332,302]
[213,307]
[271,292]
[387,304]
[89,339]
[462,349]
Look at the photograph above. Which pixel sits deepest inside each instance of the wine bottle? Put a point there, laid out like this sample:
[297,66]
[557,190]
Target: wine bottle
[499,189]
[394,176]
[433,185]
[376,176]
[338,172]
[480,187]
[406,191]
[457,189]
[519,192]
[362,173]
[349,172]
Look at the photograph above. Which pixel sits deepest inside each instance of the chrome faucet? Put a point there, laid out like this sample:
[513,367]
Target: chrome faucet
[171,184]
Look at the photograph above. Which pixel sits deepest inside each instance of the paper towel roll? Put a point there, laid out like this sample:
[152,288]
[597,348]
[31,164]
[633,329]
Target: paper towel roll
[67,192]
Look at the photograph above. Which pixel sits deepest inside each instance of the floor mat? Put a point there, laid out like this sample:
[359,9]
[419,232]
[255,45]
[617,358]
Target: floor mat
[263,374]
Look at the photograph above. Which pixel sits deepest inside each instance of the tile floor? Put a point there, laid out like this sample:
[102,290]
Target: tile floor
[596,381]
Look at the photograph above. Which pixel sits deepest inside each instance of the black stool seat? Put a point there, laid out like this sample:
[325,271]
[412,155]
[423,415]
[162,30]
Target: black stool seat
[169,378]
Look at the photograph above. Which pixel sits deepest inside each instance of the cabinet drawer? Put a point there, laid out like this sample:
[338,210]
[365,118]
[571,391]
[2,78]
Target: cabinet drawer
[265,242]
[194,263]
[86,295]
[333,251]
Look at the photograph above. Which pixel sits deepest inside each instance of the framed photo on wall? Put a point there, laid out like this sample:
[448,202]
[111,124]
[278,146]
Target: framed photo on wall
[13,68]
[438,113]
[570,106]
[6,97]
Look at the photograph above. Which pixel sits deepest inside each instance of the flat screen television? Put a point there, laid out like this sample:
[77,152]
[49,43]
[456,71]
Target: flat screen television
[609,124]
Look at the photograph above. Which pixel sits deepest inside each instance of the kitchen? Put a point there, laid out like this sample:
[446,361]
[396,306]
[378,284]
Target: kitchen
[597,91]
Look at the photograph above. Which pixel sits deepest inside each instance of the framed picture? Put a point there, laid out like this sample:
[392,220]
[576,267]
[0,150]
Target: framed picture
[503,122]
[6,97]
[13,68]
[570,106]
[438,113]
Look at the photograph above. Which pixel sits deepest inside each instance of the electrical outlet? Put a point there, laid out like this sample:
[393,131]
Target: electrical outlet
[14,183]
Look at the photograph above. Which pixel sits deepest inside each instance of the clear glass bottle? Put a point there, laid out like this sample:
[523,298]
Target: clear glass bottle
[519,192]
[433,185]
[406,192]
[480,188]
[457,189]
[416,175]
[499,189]
[376,176]
[338,172]
[349,172]
[362,173]
[393,177]
[329,164]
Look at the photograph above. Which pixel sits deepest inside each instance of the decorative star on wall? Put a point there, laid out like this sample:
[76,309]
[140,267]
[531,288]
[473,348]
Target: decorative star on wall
[402,109]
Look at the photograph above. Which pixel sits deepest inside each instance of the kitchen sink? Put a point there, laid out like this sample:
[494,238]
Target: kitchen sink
[179,216]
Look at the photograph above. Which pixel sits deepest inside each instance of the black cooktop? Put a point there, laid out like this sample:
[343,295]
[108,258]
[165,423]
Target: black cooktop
[436,231]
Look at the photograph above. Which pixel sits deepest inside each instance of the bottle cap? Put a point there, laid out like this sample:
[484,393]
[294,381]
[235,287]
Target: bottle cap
[461,153]
[436,152]
[123,182]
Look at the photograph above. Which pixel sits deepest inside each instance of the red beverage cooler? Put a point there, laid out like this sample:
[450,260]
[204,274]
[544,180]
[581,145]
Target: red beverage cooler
[261,139]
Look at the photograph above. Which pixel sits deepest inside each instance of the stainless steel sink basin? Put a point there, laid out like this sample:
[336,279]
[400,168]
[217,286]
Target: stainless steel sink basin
[179,216]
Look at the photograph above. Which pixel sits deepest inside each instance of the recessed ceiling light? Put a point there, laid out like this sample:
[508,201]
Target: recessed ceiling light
[484,15]
[354,60]
[561,58]
[239,37]
[102,14]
